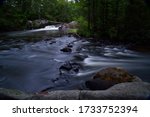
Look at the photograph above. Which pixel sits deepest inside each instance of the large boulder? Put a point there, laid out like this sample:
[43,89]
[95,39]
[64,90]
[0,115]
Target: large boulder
[116,74]
[121,91]
[73,24]
[108,77]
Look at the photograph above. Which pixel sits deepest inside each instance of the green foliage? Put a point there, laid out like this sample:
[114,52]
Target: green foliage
[122,20]
[15,13]
[126,20]
[83,29]
[73,31]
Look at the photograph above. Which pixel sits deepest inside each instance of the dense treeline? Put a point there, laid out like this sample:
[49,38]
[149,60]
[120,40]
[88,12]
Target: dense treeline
[127,20]
[121,20]
[15,13]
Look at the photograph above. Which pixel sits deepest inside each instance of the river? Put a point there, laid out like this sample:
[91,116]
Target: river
[31,60]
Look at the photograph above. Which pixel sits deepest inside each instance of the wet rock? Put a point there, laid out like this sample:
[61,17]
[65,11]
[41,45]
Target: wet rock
[66,49]
[108,77]
[69,67]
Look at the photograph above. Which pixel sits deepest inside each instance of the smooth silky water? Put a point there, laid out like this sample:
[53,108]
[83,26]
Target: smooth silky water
[33,66]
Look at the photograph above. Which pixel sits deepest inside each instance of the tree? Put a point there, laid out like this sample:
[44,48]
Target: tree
[122,20]
[15,13]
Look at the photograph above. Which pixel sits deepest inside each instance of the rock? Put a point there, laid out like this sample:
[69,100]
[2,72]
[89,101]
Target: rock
[65,67]
[69,67]
[58,95]
[12,94]
[73,25]
[69,28]
[70,45]
[66,49]
[121,91]
[40,23]
[99,84]
[115,74]
[63,29]
[108,77]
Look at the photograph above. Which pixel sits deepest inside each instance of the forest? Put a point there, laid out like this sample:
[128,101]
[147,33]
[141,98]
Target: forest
[124,20]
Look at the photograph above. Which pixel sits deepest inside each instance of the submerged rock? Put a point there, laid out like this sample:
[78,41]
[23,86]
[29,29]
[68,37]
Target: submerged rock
[108,77]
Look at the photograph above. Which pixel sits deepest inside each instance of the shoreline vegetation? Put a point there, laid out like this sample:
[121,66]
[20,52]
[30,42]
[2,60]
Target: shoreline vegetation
[126,21]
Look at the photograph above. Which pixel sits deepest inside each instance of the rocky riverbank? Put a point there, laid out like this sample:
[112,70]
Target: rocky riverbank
[125,87]
[123,91]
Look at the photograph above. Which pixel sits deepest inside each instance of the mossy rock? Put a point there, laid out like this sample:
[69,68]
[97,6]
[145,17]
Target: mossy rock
[115,74]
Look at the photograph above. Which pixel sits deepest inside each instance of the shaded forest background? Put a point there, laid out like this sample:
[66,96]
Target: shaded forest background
[116,20]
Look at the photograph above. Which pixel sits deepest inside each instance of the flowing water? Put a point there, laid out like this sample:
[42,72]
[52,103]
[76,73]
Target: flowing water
[33,66]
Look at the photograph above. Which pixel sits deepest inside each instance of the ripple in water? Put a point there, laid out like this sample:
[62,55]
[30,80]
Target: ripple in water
[98,61]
